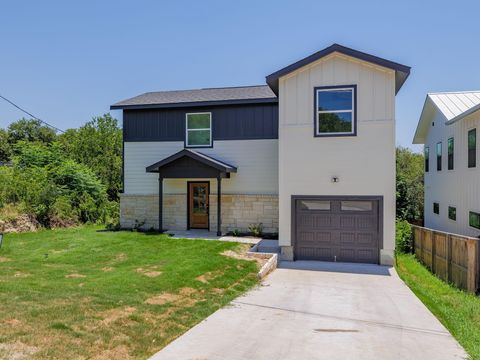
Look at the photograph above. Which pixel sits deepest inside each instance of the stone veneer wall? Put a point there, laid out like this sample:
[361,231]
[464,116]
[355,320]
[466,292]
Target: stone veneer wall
[238,211]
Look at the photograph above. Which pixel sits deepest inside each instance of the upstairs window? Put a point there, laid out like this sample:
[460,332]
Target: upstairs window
[427,158]
[450,147]
[198,130]
[335,111]
[439,156]
[472,148]
[474,219]
[452,213]
[436,208]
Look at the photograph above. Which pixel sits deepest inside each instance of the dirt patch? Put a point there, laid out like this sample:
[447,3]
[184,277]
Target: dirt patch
[149,272]
[208,276]
[16,351]
[121,257]
[187,291]
[20,223]
[113,315]
[162,299]
[107,269]
[12,322]
[118,353]
[4,259]
[242,254]
[75,276]
[21,274]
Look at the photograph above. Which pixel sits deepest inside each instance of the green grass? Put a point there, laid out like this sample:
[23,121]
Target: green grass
[456,309]
[80,293]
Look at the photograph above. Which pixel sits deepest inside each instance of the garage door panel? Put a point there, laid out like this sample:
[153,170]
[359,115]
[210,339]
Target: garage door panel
[337,230]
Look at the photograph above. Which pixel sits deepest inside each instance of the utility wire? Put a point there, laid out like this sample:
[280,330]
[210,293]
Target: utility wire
[33,116]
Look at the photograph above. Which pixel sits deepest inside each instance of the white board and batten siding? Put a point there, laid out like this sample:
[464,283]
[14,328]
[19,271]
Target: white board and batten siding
[459,187]
[364,164]
[256,161]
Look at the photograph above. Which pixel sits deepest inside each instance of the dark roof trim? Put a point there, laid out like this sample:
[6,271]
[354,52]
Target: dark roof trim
[195,155]
[401,71]
[196,104]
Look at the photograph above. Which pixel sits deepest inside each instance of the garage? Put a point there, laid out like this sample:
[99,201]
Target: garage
[343,229]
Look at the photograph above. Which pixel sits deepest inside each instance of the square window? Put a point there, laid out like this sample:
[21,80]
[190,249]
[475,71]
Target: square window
[474,219]
[198,130]
[436,208]
[452,213]
[335,111]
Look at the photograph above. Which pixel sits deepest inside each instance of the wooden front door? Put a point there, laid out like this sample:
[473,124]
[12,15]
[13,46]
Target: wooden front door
[198,193]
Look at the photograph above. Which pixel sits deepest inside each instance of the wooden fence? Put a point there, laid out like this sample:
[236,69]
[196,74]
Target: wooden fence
[453,258]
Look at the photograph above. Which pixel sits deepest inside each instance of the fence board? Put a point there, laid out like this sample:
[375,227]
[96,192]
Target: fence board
[452,257]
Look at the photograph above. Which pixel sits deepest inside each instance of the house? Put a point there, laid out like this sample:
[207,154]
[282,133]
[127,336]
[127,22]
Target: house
[310,155]
[448,129]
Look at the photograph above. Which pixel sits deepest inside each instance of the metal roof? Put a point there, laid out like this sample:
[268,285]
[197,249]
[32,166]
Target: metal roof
[401,71]
[196,155]
[199,97]
[454,106]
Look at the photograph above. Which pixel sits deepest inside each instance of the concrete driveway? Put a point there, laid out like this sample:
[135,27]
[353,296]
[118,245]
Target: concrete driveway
[313,310]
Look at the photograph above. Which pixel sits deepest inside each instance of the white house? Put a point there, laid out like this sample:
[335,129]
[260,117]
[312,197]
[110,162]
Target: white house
[310,155]
[448,129]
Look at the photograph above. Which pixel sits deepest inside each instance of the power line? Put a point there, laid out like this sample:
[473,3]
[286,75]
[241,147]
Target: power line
[31,115]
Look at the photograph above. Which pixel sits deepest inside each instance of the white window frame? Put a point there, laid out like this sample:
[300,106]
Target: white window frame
[187,130]
[353,132]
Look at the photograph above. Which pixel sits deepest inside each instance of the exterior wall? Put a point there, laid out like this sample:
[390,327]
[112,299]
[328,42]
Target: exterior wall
[364,164]
[238,211]
[459,187]
[256,161]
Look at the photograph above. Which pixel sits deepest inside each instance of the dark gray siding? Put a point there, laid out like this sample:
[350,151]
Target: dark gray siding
[233,122]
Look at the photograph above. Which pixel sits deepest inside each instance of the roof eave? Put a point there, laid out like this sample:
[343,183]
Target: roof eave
[119,106]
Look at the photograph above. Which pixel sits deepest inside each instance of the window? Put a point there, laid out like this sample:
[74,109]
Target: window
[472,148]
[436,208]
[335,111]
[198,130]
[474,219]
[427,158]
[450,147]
[439,156]
[314,205]
[452,213]
[356,206]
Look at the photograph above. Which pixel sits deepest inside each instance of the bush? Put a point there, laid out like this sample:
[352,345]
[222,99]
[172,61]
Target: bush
[403,237]
[256,229]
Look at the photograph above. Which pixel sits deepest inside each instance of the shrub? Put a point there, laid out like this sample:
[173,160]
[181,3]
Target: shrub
[256,229]
[62,214]
[403,237]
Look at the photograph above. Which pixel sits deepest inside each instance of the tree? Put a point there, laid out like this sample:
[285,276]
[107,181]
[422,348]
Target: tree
[5,147]
[98,145]
[30,130]
[409,185]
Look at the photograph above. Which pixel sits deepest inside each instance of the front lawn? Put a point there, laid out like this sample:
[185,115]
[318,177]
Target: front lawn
[457,310]
[86,293]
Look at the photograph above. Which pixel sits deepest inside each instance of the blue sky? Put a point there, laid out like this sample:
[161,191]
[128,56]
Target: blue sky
[67,61]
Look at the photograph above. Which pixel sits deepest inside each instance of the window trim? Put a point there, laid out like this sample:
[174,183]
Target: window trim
[354,110]
[452,154]
[448,212]
[426,154]
[433,209]
[468,149]
[186,145]
[469,213]
[439,157]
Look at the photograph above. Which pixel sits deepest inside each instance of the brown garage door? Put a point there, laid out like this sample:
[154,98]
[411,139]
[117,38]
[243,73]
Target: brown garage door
[337,229]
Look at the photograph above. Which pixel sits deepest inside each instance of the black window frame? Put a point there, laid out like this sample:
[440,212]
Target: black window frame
[472,152]
[315,110]
[474,213]
[436,208]
[452,213]
[426,154]
[439,155]
[450,154]
[187,130]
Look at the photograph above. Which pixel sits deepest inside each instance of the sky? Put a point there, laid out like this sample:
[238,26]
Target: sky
[68,61]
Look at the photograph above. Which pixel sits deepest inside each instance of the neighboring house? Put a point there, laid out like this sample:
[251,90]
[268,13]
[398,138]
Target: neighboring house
[310,155]
[448,129]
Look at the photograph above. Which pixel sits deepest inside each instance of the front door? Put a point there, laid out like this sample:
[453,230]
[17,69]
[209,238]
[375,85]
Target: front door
[198,205]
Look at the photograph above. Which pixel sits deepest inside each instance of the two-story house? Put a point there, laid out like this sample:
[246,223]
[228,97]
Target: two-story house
[448,129]
[310,155]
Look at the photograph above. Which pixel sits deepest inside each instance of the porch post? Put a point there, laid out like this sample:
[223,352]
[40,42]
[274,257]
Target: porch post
[219,205]
[160,203]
